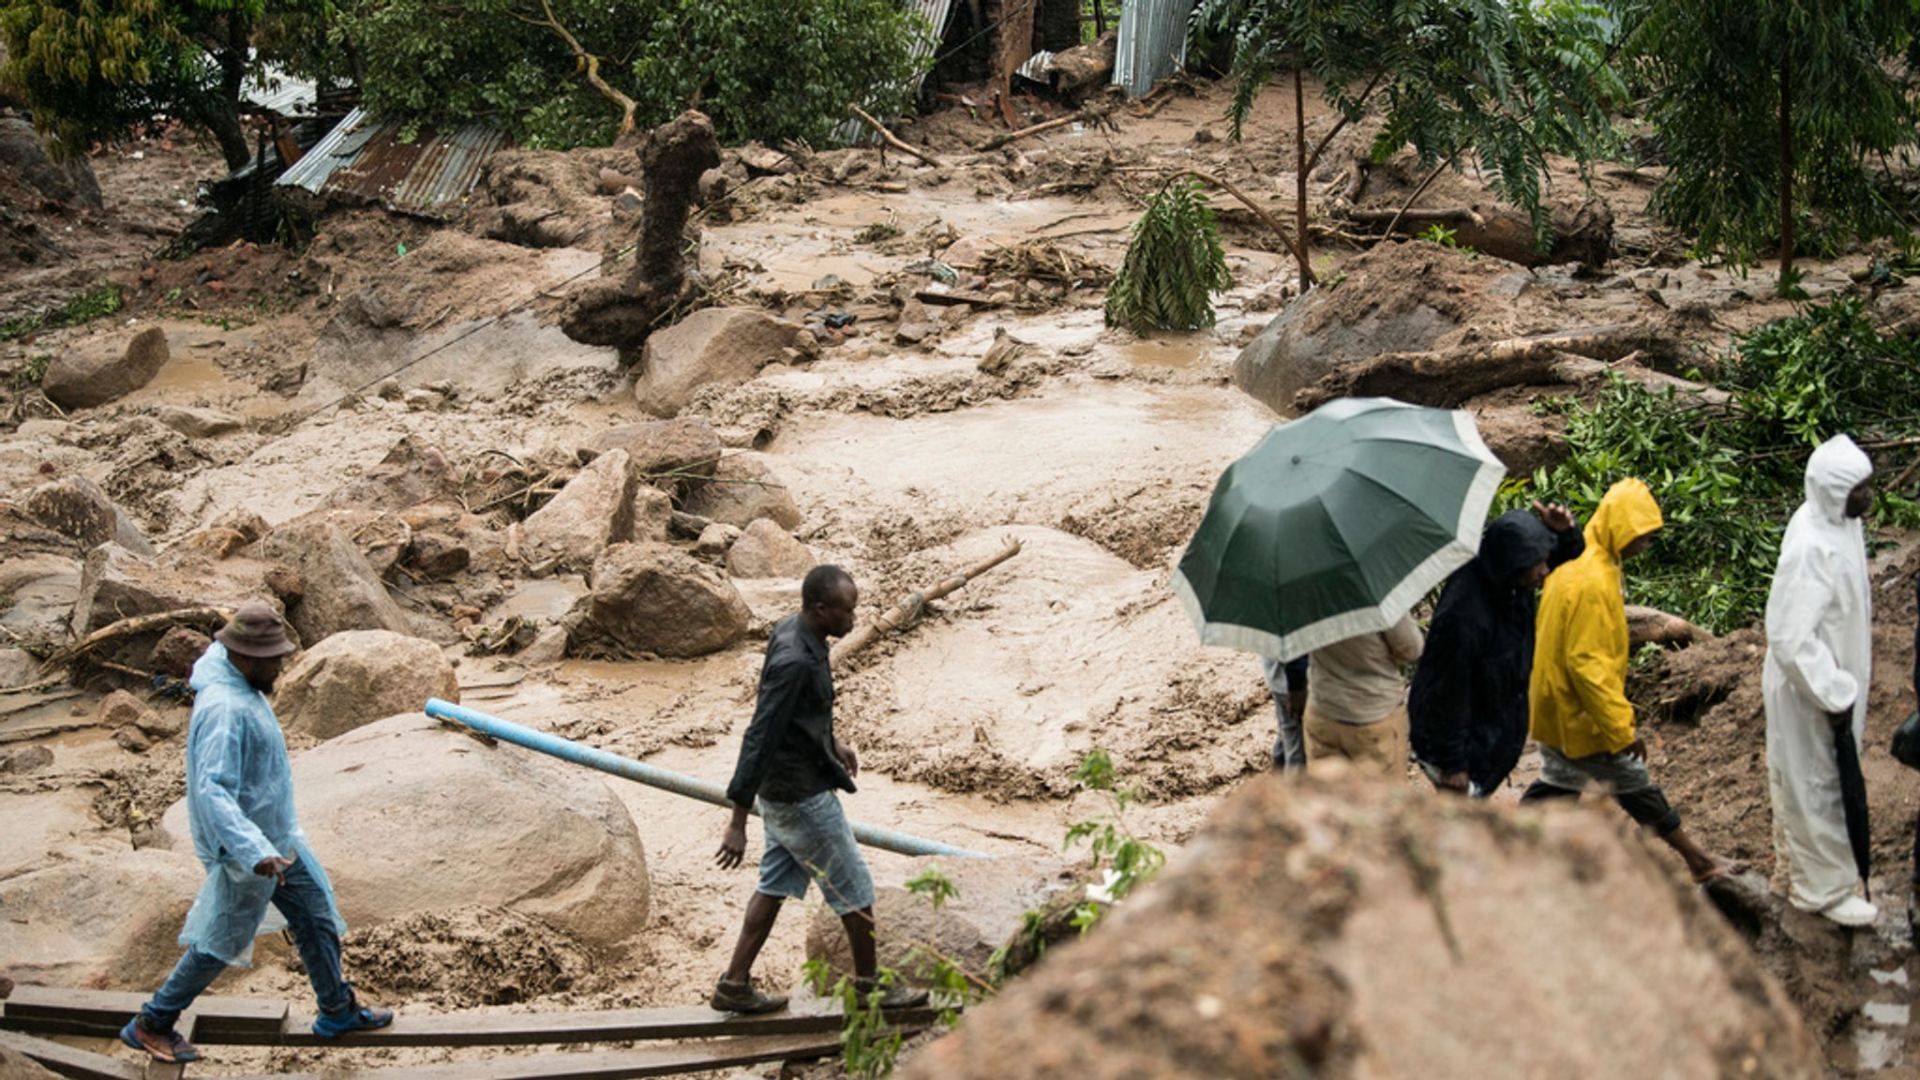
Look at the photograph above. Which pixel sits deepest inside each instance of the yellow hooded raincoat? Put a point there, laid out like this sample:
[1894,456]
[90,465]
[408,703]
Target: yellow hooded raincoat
[1578,692]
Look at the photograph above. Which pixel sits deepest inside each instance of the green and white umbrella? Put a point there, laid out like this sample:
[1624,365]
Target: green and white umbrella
[1335,525]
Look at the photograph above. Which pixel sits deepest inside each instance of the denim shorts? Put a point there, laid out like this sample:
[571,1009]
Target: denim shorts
[810,840]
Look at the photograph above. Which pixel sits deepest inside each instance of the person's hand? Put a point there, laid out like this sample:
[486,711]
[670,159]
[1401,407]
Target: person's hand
[1637,749]
[273,866]
[1554,516]
[1455,781]
[849,760]
[733,847]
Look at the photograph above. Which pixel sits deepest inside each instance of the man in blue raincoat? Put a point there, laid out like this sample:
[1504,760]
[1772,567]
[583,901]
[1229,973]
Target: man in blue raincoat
[240,803]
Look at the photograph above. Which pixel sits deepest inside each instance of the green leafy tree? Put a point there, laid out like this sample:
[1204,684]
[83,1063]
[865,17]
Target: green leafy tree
[573,72]
[89,69]
[1773,113]
[1173,266]
[1503,84]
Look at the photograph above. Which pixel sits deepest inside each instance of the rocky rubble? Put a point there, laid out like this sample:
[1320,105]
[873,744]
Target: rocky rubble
[357,677]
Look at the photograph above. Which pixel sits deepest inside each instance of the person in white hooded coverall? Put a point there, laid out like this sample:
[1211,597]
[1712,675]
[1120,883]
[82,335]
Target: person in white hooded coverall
[1819,665]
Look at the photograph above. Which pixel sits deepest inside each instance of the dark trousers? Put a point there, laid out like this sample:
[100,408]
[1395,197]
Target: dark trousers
[304,903]
[1648,807]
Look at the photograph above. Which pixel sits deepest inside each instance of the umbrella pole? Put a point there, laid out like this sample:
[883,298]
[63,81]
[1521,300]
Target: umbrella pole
[910,606]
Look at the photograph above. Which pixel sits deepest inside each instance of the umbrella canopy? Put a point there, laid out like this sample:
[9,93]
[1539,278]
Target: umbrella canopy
[1335,525]
[1853,798]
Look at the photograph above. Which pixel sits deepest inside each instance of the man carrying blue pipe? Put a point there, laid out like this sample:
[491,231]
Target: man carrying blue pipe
[240,804]
[792,764]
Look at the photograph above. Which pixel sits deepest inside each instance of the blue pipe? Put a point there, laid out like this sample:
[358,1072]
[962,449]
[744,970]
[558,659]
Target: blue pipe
[664,779]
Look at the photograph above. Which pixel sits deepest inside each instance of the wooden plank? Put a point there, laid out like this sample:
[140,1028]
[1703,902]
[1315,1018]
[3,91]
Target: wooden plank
[519,1029]
[67,1061]
[615,1065]
[94,1009]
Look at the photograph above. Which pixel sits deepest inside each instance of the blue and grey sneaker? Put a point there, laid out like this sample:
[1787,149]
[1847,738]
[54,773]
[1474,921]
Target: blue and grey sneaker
[355,1017]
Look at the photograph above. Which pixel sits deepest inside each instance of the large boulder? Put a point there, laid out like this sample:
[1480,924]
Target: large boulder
[674,455]
[408,816]
[412,473]
[766,550]
[341,590]
[82,380]
[651,598]
[1346,928]
[116,583]
[43,589]
[992,900]
[75,506]
[743,489]
[356,677]
[25,156]
[108,921]
[603,504]
[1394,298]
[719,345]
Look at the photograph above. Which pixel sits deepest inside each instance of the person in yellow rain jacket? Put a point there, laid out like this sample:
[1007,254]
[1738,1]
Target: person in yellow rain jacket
[1578,694]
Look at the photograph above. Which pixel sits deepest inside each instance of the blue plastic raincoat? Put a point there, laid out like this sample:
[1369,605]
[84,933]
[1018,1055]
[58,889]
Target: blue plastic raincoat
[240,802]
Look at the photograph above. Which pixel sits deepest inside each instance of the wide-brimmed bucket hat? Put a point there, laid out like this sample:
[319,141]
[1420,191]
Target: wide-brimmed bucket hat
[255,630]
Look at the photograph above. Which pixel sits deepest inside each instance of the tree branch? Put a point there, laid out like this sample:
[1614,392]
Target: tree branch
[1313,159]
[590,67]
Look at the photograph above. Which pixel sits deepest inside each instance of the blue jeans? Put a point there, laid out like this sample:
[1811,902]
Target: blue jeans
[304,904]
[810,841]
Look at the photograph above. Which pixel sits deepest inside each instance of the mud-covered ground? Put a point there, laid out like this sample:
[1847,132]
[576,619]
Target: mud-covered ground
[917,441]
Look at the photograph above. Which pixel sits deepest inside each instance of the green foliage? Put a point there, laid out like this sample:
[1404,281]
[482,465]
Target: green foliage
[1504,83]
[1173,266]
[1728,480]
[1127,860]
[30,373]
[869,1045]
[762,69]
[97,302]
[1717,68]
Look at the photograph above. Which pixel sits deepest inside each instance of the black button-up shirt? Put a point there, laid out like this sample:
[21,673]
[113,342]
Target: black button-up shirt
[787,754]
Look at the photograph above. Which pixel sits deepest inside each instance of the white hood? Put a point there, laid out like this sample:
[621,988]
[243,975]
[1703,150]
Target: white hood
[1836,467]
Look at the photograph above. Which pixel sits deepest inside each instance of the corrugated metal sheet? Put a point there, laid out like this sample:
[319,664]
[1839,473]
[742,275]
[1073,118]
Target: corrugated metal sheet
[1153,43]
[282,93]
[363,160]
[1035,69]
[936,13]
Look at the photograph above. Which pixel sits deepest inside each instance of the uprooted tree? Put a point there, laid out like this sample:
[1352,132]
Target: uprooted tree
[560,73]
[1775,116]
[619,312]
[1497,83]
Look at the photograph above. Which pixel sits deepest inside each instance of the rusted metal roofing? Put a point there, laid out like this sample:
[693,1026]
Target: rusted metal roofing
[276,91]
[1152,45]
[363,160]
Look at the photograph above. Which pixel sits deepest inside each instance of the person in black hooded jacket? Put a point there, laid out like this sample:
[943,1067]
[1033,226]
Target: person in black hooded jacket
[1467,709]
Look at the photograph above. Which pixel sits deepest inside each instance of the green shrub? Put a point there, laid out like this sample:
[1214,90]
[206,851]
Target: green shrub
[1173,266]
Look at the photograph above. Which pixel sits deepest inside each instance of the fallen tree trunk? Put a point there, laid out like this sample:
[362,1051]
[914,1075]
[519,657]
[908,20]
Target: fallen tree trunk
[1646,624]
[1446,378]
[910,606]
[890,139]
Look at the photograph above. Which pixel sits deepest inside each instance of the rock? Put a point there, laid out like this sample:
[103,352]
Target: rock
[674,455]
[356,677]
[1395,298]
[75,506]
[115,584]
[250,526]
[17,666]
[341,591]
[743,489]
[213,544]
[43,589]
[132,740]
[1415,947]
[26,759]
[412,473]
[715,539]
[25,156]
[82,381]
[15,1065]
[437,556]
[197,423]
[121,709]
[993,898]
[177,651]
[724,346]
[765,550]
[593,510]
[549,647]
[408,816]
[652,598]
[105,922]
